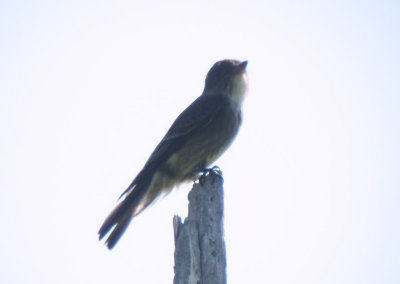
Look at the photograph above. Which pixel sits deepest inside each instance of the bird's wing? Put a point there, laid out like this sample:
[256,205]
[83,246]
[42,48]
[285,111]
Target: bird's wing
[199,114]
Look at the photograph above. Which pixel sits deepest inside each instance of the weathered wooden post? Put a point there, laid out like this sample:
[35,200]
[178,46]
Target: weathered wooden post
[200,256]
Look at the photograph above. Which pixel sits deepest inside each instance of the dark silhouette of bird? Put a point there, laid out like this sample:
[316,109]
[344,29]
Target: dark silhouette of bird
[200,134]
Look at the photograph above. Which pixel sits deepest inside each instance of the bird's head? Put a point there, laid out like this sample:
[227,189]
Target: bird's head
[227,77]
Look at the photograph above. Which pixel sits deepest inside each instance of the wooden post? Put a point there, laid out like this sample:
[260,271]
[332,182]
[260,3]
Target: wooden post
[200,256]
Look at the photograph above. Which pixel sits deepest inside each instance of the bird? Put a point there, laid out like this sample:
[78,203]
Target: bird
[198,136]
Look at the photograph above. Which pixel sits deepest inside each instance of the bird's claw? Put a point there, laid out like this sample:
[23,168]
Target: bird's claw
[213,172]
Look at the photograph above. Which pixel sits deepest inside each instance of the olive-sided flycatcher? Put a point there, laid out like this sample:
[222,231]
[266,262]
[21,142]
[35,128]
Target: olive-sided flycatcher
[199,135]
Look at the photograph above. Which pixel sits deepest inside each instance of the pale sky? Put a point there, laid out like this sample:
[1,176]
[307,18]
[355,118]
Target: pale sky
[312,184]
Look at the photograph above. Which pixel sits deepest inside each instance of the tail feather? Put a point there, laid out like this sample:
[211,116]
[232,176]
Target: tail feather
[120,217]
[123,221]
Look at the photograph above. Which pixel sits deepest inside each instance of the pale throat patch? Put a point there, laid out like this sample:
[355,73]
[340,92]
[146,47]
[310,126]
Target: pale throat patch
[239,87]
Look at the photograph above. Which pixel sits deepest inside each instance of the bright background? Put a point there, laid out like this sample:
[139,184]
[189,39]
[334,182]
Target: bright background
[312,183]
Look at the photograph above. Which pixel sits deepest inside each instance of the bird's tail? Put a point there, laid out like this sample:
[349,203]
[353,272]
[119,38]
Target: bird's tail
[121,216]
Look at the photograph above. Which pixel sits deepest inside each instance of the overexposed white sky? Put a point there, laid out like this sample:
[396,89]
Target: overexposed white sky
[312,186]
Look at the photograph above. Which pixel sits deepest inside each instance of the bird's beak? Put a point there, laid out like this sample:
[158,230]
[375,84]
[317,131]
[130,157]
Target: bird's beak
[240,68]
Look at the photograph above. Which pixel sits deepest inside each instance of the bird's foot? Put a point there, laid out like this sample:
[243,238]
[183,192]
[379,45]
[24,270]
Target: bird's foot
[213,172]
